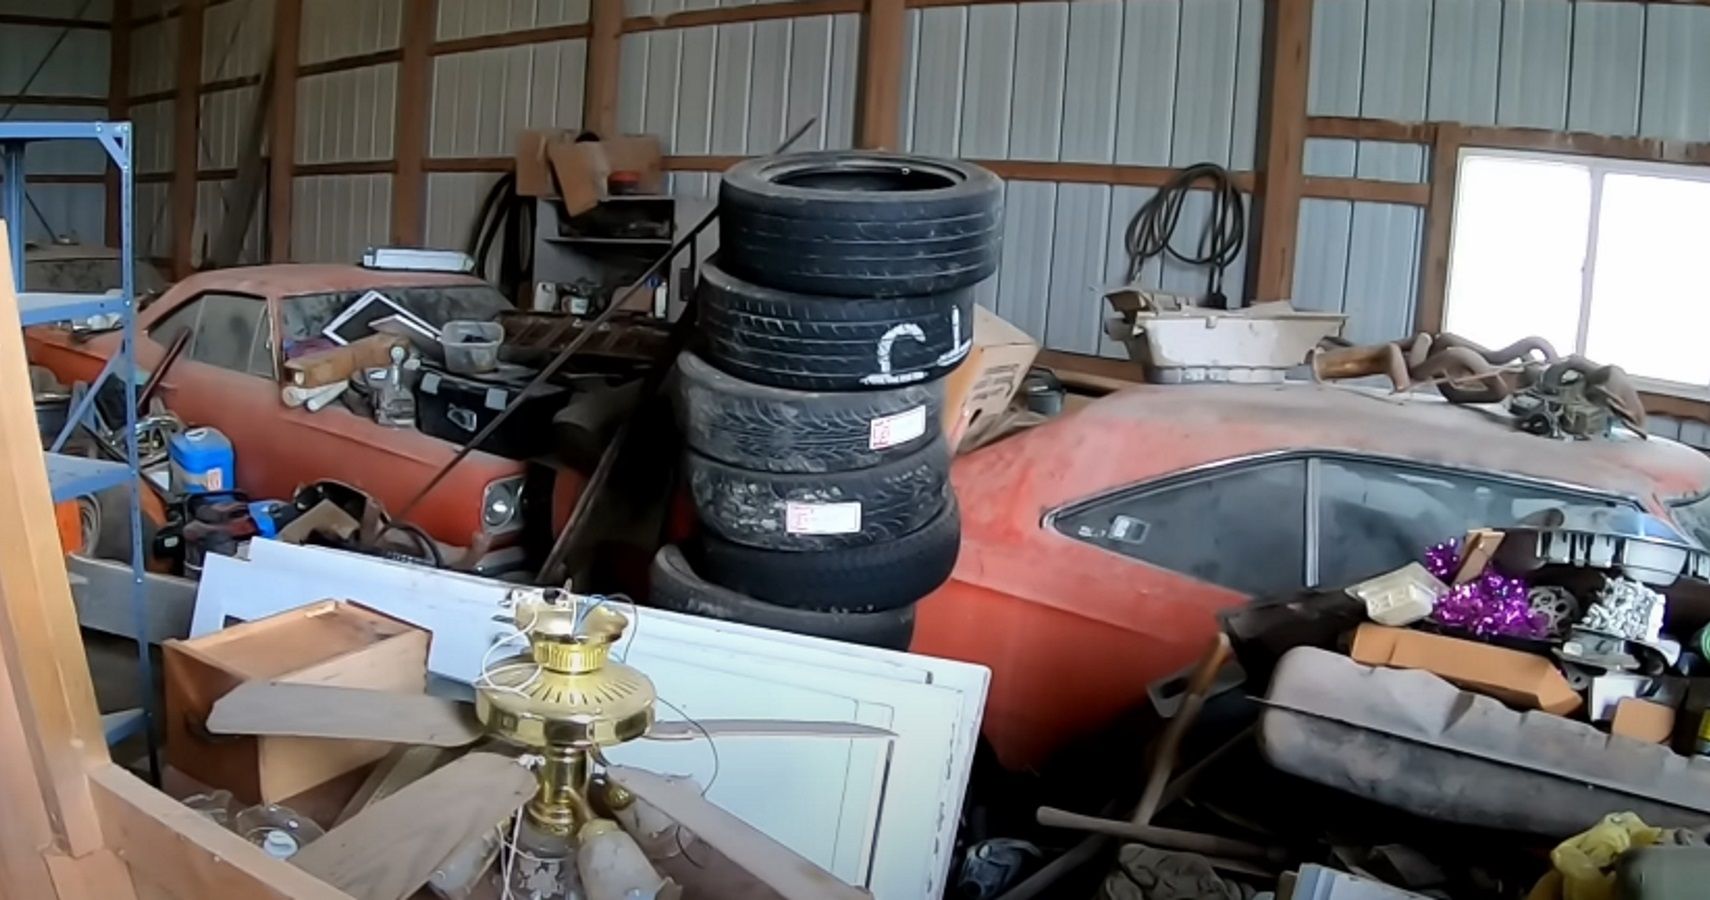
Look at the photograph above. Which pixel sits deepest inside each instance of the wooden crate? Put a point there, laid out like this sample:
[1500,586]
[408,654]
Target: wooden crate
[333,643]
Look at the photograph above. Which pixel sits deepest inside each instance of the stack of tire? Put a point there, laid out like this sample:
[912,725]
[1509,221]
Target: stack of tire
[811,405]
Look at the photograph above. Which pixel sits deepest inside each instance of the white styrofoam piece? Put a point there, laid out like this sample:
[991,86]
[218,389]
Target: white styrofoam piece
[878,814]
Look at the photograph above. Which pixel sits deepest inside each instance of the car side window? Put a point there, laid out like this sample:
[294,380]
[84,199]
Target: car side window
[1375,516]
[227,330]
[1241,527]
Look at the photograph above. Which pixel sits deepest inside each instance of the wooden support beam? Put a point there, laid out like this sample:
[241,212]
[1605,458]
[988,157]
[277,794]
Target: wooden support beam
[52,100]
[59,21]
[41,647]
[1439,224]
[878,123]
[522,38]
[282,130]
[1349,128]
[118,109]
[600,79]
[1366,190]
[1282,139]
[186,120]
[415,94]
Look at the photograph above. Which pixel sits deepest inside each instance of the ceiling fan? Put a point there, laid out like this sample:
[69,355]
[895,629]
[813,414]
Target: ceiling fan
[560,702]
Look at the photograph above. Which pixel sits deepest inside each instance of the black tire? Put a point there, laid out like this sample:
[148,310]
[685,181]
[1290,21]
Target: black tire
[676,587]
[814,343]
[883,576]
[772,429]
[860,224]
[825,510]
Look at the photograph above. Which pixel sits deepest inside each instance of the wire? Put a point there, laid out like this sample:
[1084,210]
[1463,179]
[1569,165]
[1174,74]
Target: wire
[1153,229]
[485,678]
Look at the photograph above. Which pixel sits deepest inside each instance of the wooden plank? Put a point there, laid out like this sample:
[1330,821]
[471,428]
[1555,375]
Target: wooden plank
[167,844]
[1368,190]
[282,130]
[1677,407]
[415,101]
[186,120]
[600,75]
[52,100]
[118,108]
[60,21]
[1660,150]
[356,167]
[27,834]
[391,848]
[1282,143]
[511,39]
[878,103]
[40,644]
[471,164]
[791,9]
[365,60]
[1439,224]
[97,876]
[1348,128]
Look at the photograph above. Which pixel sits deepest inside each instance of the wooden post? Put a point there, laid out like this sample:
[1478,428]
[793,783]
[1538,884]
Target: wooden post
[186,121]
[879,105]
[282,131]
[415,87]
[1282,139]
[1439,222]
[40,644]
[600,81]
[118,106]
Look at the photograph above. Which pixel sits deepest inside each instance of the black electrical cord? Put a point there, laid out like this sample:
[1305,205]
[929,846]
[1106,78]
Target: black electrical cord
[1153,227]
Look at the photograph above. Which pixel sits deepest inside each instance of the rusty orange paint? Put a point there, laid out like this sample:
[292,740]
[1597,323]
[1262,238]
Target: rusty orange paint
[1073,634]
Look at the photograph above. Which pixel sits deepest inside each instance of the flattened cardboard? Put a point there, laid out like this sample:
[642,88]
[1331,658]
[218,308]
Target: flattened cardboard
[553,163]
[1643,720]
[978,392]
[1519,679]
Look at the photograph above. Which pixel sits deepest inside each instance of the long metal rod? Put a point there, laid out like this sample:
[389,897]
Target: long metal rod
[575,344]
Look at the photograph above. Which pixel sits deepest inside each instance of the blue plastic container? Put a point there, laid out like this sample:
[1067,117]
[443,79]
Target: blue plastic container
[202,461]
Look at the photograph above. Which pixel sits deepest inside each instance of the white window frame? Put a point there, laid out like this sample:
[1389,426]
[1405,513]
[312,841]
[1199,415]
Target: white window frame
[1598,167]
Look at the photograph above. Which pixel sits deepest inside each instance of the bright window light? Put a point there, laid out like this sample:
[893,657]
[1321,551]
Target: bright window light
[1605,258]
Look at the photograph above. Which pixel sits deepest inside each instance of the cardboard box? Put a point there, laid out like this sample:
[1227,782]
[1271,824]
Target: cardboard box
[1643,720]
[331,642]
[978,392]
[336,364]
[1519,679]
[554,164]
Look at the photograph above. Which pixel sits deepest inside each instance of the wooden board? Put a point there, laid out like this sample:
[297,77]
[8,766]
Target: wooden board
[1282,141]
[391,848]
[879,104]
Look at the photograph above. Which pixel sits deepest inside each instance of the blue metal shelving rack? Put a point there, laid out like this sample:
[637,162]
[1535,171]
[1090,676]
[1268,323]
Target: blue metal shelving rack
[74,476]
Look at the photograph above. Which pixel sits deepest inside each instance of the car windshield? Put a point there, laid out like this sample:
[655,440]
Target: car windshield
[304,317]
[1693,517]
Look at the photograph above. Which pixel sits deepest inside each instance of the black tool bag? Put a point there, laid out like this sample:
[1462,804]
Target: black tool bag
[456,407]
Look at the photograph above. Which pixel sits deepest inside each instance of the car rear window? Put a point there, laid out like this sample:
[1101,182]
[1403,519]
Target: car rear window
[303,317]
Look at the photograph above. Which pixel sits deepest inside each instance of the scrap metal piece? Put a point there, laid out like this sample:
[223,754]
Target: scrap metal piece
[1641,546]
[1462,370]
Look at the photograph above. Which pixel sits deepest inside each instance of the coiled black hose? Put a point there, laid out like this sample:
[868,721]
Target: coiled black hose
[1153,228]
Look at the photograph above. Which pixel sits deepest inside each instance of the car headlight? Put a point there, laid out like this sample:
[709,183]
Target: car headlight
[501,505]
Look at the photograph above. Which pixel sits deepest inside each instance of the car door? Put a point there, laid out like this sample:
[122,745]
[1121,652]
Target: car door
[225,377]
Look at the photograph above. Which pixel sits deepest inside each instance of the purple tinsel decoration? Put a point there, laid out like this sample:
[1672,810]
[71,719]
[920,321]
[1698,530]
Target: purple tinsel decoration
[1491,604]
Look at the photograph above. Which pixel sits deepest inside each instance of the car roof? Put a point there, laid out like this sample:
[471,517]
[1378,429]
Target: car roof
[295,279]
[1149,431]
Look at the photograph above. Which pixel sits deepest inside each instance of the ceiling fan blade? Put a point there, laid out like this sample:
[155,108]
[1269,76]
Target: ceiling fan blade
[789,874]
[718,728]
[391,848]
[322,711]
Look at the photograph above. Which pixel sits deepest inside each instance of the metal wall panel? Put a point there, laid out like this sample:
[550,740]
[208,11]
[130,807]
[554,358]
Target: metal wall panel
[1036,113]
[338,28]
[1146,92]
[1466,38]
[63,157]
[151,135]
[453,200]
[469,18]
[1676,73]
[483,98]
[77,212]
[225,116]
[154,57]
[1090,81]
[77,68]
[1607,64]
[236,37]
[153,220]
[739,89]
[1532,84]
[347,116]
[1205,82]
[1024,275]
[1077,282]
[335,217]
[211,208]
[663,8]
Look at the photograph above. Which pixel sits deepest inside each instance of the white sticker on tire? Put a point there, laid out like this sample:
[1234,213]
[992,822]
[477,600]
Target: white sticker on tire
[822,518]
[898,428]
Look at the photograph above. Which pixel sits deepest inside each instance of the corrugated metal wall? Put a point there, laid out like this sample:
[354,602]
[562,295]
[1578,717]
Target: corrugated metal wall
[347,116]
[1142,82]
[1610,68]
[77,68]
